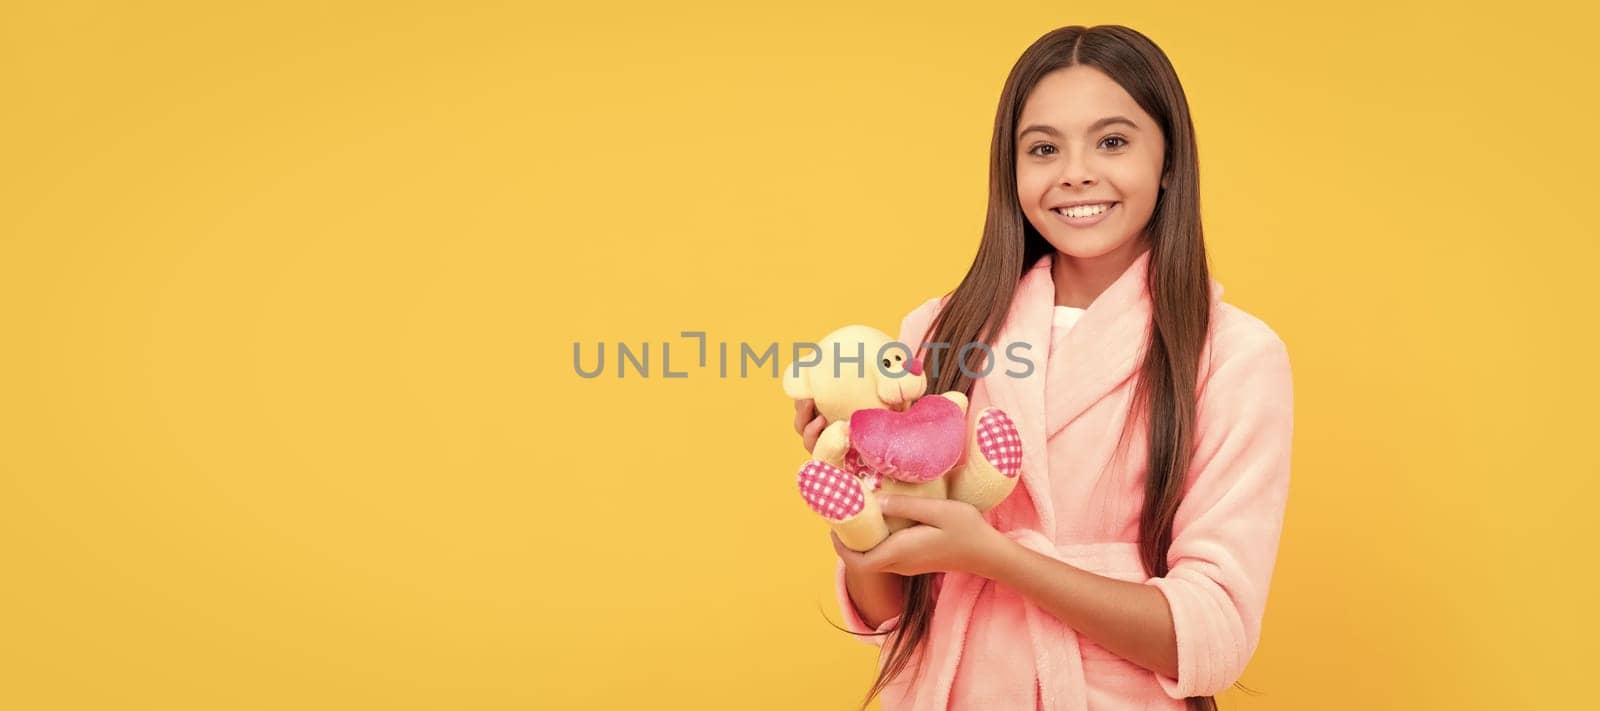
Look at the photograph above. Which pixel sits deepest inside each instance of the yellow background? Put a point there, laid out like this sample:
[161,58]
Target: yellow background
[288,417]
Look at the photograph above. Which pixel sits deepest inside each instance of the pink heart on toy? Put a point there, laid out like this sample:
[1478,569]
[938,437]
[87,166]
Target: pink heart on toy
[914,446]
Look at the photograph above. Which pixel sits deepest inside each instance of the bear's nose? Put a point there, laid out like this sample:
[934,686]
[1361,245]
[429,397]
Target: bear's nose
[914,366]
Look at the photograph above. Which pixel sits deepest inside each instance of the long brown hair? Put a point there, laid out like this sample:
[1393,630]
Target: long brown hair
[1178,279]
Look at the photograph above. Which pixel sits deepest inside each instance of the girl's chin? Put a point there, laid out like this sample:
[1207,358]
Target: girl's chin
[1086,245]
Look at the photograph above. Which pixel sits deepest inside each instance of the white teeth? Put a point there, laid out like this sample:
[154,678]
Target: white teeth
[1083,210]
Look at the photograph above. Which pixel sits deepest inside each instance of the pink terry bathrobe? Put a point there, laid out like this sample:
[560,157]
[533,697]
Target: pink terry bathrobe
[991,648]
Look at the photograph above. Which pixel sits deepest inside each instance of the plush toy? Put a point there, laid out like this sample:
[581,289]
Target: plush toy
[886,436]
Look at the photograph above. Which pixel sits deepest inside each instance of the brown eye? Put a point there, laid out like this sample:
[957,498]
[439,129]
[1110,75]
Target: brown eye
[1123,141]
[1031,151]
[885,362]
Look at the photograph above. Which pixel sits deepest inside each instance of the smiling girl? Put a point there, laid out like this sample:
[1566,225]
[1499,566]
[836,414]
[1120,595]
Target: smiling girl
[1130,569]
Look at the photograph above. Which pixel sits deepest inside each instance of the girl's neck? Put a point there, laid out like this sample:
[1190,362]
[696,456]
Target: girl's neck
[1079,281]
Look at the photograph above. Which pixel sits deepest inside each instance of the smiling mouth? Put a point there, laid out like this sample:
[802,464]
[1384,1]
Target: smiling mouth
[1084,212]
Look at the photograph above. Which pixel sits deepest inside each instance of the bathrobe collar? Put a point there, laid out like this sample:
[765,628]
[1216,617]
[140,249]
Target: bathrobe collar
[1099,353]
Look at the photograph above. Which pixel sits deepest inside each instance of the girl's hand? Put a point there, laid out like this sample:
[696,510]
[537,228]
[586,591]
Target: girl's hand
[952,536]
[808,423]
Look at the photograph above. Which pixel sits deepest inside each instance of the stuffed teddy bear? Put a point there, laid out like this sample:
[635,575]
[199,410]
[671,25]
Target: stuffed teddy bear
[885,436]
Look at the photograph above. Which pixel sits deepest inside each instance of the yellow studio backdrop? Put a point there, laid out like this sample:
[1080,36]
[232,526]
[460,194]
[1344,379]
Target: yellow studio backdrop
[289,293]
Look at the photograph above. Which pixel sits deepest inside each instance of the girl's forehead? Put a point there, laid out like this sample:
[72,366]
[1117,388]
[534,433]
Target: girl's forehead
[1071,99]
[1076,85]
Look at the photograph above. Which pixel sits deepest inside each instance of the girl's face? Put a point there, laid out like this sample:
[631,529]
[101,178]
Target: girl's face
[1082,139]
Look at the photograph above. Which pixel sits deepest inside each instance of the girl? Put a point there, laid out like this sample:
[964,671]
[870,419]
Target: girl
[1114,576]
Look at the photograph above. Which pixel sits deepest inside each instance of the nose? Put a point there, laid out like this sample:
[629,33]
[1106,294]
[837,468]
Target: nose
[914,366]
[1078,178]
[1076,172]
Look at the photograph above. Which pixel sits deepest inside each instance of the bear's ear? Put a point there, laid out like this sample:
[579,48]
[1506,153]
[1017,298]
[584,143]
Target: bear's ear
[796,382]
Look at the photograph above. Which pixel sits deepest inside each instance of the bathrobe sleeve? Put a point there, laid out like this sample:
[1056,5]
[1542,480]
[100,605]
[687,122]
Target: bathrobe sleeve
[1225,534]
[911,333]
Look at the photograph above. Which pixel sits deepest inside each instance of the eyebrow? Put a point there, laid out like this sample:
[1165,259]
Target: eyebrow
[1102,123]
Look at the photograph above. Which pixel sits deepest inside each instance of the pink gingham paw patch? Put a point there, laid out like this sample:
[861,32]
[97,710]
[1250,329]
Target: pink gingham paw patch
[830,491]
[999,442]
